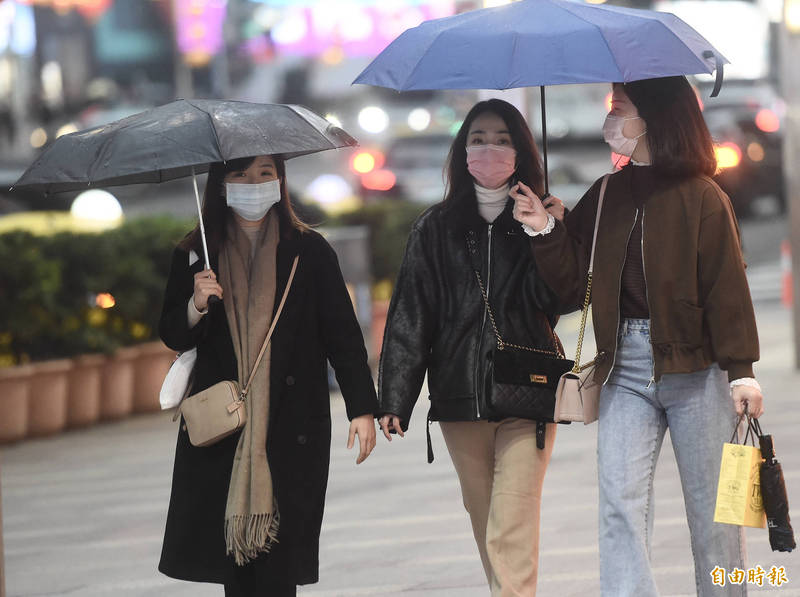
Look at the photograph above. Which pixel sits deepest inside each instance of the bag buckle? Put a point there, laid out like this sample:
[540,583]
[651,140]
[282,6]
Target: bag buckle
[536,378]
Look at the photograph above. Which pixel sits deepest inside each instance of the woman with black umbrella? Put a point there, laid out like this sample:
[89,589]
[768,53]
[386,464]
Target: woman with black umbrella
[246,512]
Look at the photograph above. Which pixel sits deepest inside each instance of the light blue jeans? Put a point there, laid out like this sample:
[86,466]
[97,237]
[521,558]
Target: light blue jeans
[633,418]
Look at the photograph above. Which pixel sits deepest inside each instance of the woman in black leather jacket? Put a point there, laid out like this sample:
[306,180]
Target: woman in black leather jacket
[438,323]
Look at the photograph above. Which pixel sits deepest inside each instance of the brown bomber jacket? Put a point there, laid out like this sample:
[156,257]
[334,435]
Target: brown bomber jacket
[699,300]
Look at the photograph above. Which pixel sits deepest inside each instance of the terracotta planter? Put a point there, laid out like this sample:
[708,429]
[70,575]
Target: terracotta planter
[151,367]
[117,382]
[14,395]
[83,399]
[47,405]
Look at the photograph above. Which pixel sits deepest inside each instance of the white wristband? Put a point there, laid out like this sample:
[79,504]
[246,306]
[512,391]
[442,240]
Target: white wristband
[746,381]
[551,223]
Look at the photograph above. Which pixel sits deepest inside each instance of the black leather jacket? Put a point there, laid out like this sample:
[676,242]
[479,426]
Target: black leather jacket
[437,320]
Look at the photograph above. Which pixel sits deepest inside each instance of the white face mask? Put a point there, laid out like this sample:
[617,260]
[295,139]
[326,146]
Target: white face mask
[612,133]
[252,201]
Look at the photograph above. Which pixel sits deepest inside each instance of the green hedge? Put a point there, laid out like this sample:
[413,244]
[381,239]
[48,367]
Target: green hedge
[48,284]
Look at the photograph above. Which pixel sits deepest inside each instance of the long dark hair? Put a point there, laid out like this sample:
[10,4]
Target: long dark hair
[216,210]
[460,184]
[677,136]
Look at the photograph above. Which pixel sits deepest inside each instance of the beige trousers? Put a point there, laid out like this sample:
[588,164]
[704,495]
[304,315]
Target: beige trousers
[501,472]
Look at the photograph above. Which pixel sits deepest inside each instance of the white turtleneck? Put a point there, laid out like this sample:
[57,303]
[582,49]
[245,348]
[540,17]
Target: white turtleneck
[491,202]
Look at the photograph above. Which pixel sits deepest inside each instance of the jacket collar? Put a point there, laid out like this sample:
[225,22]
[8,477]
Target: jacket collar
[462,215]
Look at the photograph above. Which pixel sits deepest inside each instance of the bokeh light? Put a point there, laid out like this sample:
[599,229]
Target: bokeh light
[728,155]
[373,119]
[419,119]
[96,204]
[38,138]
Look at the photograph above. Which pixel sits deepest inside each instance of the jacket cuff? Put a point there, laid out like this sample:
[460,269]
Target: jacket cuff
[737,370]
[552,239]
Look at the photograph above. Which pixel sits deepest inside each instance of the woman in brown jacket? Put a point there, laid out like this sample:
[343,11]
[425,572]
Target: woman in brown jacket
[672,315]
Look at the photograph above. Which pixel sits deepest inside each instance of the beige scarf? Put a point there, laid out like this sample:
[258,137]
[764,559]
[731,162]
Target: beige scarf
[248,284]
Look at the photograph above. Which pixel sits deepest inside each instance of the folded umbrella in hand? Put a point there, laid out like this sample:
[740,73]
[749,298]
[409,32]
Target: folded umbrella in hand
[773,492]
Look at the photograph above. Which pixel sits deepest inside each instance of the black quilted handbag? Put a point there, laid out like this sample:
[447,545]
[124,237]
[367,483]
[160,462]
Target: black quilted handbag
[523,384]
[522,381]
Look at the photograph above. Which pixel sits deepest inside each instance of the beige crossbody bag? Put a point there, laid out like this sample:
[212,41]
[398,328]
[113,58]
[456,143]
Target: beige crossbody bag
[578,394]
[219,411]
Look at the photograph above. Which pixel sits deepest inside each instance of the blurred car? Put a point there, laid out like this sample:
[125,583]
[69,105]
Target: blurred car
[575,113]
[411,168]
[746,122]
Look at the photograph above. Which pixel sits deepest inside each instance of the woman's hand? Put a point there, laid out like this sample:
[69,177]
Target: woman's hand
[205,285]
[388,422]
[555,207]
[747,397]
[364,427]
[528,208]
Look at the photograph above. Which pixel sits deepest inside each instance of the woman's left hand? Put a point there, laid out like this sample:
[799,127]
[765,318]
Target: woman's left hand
[554,206]
[747,397]
[364,427]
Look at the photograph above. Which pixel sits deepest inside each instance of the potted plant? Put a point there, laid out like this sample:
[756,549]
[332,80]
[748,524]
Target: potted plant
[150,369]
[14,393]
[117,382]
[47,402]
[83,398]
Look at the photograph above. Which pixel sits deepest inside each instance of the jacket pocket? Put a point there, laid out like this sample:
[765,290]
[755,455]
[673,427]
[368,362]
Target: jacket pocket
[683,325]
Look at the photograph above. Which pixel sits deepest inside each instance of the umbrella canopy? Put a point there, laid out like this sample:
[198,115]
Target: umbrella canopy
[541,42]
[176,140]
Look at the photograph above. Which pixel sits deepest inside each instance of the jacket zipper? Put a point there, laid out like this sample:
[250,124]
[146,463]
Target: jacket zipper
[619,297]
[483,325]
[647,298]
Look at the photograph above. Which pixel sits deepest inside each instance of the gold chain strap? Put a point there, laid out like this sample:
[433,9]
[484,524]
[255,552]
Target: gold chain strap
[577,367]
[500,343]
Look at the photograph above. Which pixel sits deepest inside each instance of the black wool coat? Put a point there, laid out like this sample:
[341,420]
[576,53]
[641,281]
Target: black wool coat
[317,324]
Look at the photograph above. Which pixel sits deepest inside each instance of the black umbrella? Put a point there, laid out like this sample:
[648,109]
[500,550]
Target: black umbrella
[773,492]
[179,139]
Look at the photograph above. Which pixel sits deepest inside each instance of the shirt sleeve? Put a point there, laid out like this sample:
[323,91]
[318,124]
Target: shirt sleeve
[193,314]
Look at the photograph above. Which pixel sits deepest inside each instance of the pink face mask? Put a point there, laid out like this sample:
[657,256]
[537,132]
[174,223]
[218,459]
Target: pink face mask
[491,165]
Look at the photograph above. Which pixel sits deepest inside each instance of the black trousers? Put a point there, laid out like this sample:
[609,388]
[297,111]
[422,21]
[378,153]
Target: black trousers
[266,576]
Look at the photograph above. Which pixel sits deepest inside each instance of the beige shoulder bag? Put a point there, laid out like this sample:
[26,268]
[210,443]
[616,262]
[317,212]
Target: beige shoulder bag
[219,411]
[578,393]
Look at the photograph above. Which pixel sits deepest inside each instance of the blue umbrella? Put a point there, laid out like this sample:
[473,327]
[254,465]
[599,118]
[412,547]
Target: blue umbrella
[542,42]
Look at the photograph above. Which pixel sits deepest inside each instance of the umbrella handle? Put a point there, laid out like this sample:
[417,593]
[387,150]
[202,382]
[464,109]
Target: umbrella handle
[719,66]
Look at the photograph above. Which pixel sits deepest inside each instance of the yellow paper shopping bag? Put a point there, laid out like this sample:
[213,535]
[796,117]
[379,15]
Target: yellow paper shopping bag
[739,490]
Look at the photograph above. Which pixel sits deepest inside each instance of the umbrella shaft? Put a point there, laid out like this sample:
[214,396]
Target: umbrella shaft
[544,145]
[200,215]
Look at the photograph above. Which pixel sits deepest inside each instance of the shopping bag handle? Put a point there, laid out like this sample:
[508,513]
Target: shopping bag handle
[753,429]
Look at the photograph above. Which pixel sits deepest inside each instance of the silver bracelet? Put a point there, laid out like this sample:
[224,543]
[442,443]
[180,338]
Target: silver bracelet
[551,223]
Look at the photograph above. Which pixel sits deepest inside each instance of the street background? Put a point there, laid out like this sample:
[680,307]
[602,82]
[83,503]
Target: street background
[83,509]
